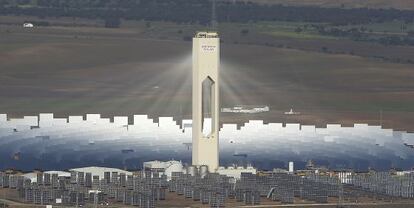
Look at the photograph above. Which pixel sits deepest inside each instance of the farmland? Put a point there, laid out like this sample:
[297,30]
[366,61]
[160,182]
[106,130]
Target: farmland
[397,4]
[141,69]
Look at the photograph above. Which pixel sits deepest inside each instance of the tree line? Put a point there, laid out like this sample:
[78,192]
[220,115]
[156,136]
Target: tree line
[198,11]
[364,34]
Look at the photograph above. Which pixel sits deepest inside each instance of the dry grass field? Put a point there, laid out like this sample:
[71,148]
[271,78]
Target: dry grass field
[397,4]
[69,71]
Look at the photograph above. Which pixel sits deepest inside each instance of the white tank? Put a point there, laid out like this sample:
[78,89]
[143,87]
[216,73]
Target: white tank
[176,167]
[203,170]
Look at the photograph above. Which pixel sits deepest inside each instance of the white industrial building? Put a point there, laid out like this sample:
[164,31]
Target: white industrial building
[167,167]
[33,175]
[95,171]
[236,172]
[100,171]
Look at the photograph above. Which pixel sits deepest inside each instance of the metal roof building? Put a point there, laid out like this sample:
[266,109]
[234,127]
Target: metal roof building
[99,171]
[33,175]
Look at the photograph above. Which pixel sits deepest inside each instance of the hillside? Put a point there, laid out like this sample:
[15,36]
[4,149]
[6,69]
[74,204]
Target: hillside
[397,4]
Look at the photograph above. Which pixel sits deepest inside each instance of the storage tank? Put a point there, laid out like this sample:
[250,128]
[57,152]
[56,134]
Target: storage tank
[203,171]
[192,170]
[291,167]
[174,167]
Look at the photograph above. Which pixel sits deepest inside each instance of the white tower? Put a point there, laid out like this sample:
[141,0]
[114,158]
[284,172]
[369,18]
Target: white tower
[206,62]
[291,167]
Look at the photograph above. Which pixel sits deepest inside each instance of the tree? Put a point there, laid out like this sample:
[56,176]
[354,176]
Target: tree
[112,22]
[187,38]
[244,32]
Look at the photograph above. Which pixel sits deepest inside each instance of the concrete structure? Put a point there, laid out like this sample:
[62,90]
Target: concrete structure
[206,62]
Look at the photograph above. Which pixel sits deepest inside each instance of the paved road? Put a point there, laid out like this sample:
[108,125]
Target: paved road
[9,202]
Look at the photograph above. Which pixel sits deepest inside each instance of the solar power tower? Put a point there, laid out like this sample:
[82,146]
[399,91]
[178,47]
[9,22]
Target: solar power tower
[206,63]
